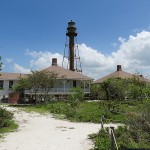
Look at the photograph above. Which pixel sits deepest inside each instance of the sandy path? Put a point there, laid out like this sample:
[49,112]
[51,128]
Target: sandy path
[42,132]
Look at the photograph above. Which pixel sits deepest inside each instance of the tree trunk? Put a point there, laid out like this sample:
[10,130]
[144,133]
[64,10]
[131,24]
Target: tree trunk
[35,102]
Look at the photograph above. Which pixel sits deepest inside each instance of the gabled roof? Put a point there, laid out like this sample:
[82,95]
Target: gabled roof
[62,73]
[119,74]
[68,74]
[11,76]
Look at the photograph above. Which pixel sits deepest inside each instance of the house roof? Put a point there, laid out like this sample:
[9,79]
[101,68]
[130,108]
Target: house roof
[119,74]
[62,73]
[68,74]
[11,76]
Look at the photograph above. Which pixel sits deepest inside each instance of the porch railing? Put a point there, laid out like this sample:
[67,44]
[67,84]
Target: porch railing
[56,90]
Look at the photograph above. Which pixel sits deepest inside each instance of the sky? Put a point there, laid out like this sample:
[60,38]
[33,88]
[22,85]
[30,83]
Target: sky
[110,33]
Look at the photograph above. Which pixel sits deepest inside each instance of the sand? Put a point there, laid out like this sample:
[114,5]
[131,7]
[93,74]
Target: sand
[43,132]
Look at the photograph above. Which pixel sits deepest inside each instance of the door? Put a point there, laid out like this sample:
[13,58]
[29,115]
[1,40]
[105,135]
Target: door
[74,83]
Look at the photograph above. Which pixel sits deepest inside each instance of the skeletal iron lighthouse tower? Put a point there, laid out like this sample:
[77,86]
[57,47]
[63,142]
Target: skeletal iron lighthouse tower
[72,54]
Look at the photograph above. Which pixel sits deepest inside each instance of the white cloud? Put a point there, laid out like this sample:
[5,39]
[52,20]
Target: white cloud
[121,40]
[19,69]
[34,54]
[43,59]
[133,54]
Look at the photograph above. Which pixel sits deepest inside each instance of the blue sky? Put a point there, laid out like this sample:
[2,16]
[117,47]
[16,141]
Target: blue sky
[111,32]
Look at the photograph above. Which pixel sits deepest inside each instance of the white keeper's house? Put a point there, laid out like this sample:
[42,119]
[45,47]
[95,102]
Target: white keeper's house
[70,80]
[7,80]
[62,86]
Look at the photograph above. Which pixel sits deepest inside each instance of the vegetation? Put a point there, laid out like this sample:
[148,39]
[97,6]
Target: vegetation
[126,97]
[74,100]
[101,140]
[138,128]
[121,89]
[91,111]
[134,134]
[6,121]
[37,80]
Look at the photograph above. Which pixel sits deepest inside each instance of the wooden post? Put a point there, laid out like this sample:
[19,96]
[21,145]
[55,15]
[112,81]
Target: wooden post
[102,122]
[112,138]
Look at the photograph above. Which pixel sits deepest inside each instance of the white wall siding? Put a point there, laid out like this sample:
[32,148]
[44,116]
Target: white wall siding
[5,91]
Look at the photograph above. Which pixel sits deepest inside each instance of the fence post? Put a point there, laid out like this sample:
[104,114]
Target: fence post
[102,122]
[112,138]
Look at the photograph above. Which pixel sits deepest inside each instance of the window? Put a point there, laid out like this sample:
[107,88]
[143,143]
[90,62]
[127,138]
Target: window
[10,84]
[1,84]
[74,84]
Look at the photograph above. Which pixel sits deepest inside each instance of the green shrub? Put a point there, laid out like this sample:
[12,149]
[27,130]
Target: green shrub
[5,117]
[136,131]
[101,140]
[6,122]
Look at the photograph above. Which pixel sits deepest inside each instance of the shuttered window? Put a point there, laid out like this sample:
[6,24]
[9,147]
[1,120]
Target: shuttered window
[10,84]
[1,84]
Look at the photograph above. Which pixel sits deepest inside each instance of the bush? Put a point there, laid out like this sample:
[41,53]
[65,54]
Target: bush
[134,134]
[6,122]
[101,140]
[5,118]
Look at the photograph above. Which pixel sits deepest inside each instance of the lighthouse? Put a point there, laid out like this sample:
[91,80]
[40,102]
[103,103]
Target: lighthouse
[71,51]
[71,33]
